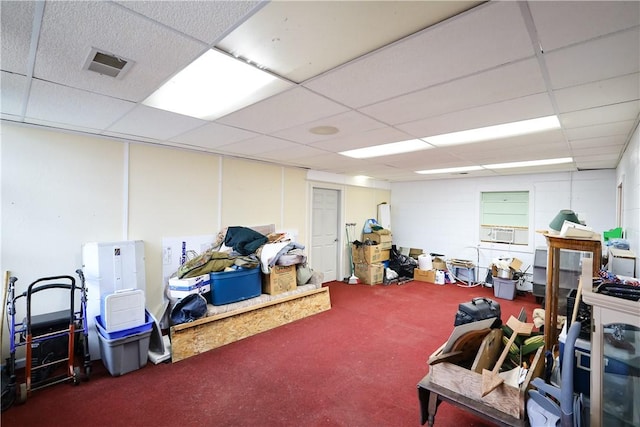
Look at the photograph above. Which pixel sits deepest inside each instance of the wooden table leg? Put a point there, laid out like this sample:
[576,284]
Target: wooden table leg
[433,407]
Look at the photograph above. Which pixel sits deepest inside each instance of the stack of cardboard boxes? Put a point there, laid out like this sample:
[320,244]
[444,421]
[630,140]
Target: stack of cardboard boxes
[435,275]
[369,259]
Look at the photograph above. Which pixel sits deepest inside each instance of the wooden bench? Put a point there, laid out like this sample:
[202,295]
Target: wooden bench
[189,339]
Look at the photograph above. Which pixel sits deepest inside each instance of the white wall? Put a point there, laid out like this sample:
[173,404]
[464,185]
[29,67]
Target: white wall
[443,216]
[63,189]
[628,174]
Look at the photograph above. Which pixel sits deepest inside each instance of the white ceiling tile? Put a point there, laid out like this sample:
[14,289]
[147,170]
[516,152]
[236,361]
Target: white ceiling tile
[291,39]
[348,123]
[561,23]
[419,159]
[514,80]
[605,129]
[71,29]
[255,146]
[605,150]
[213,135]
[17,24]
[494,34]
[563,167]
[591,163]
[364,139]
[606,92]
[153,123]
[613,141]
[329,162]
[62,104]
[524,108]
[288,109]
[615,55]
[207,21]
[592,116]
[291,154]
[12,93]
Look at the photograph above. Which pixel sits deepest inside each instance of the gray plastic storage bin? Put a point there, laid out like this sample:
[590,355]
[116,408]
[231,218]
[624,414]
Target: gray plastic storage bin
[126,354]
[503,288]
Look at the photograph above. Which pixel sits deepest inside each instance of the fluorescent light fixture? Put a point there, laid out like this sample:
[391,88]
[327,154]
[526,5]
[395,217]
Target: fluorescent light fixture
[387,149]
[495,132]
[544,162]
[214,85]
[450,170]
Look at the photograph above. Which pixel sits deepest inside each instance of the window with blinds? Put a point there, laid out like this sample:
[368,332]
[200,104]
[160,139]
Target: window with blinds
[504,217]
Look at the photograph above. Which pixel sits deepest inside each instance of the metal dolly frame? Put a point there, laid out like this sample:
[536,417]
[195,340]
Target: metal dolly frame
[21,334]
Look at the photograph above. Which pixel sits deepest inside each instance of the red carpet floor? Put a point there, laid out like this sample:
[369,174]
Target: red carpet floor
[355,365]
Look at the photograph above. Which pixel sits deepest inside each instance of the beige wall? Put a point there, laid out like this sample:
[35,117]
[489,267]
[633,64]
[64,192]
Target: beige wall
[60,190]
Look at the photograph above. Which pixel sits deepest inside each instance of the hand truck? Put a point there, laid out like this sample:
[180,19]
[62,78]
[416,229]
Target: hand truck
[39,360]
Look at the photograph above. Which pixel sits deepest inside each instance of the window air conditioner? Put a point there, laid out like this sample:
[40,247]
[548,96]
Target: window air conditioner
[502,235]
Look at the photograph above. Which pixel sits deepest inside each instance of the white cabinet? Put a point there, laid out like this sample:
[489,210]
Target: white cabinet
[615,394]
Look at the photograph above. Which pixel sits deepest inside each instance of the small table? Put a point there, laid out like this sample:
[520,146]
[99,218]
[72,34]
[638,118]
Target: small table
[431,395]
[555,243]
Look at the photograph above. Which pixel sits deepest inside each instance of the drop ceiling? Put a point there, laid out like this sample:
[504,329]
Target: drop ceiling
[379,72]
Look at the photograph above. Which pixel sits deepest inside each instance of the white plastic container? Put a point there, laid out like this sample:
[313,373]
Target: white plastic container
[123,310]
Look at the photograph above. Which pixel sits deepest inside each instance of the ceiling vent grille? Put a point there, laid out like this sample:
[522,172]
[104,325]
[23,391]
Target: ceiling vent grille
[107,64]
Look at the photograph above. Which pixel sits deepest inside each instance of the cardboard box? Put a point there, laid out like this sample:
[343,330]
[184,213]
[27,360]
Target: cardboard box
[424,275]
[438,264]
[383,240]
[180,288]
[514,265]
[368,254]
[281,279]
[385,254]
[415,252]
[370,274]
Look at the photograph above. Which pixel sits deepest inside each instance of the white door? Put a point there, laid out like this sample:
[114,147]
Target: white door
[324,234]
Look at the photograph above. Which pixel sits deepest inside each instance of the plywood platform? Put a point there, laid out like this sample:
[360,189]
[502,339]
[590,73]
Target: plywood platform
[189,339]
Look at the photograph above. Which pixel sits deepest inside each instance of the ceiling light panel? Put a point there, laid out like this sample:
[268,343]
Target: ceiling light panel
[450,170]
[537,105]
[215,85]
[387,149]
[495,132]
[529,163]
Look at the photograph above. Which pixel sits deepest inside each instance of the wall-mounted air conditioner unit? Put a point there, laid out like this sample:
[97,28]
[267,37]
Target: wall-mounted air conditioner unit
[502,235]
[508,235]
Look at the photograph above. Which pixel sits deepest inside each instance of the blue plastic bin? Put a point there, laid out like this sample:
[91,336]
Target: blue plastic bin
[233,286]
[145,327]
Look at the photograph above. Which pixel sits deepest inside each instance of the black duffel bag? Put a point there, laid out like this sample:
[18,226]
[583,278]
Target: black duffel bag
[479,308]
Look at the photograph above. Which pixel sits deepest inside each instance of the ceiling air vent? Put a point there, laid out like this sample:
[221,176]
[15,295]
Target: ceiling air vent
[107,64]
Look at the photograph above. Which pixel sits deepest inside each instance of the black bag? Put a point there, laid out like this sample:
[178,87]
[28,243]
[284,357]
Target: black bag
[479,308]
[190,308]
[401,264]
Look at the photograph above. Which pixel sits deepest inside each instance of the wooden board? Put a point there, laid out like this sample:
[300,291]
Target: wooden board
[506,399]
[189,339]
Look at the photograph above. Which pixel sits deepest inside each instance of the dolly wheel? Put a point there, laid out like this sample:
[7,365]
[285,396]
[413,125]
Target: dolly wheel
[22,397]
[76,375]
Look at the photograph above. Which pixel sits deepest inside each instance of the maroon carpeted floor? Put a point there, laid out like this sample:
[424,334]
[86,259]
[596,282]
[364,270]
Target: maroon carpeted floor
[355,365]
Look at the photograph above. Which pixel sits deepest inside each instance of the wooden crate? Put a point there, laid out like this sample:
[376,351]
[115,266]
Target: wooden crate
[506,398]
